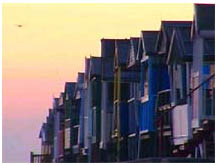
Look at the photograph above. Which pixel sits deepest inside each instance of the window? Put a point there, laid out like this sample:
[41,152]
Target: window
[67,138]
[180,83]
[208,97]
[146,84]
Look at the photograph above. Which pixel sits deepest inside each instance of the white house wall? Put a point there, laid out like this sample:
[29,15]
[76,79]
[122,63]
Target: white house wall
[180,124]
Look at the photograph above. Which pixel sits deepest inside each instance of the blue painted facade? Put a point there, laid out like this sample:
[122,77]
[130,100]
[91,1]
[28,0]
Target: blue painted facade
[142,98]
[157,77]
[153,78]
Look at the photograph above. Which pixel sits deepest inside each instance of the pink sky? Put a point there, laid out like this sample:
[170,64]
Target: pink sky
[49,50]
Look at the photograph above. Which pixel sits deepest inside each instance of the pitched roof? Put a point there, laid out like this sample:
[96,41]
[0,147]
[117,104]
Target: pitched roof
[95,66]
[122,47]
[133,51]
[69,89]
[108,68]
[146,43]
[87,65]
[107,54]
[42,130]
[80,77]
[149,40]
[55,103]
[204,21]
[205,16]
[134,41]
[79,85]
[181,46]
[107,47]
[166,32]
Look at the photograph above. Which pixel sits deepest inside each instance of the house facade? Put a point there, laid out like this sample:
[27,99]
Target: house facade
[145,99]
[133,66]
[107,93]
[202,79]
[95,105]
[179,61]
[153,78]
[121,95]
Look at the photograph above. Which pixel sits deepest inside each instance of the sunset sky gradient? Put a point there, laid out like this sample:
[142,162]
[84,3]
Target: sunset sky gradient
[49,49]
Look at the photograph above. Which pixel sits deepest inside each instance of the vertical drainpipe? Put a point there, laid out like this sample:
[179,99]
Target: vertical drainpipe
[89,122]
[118,115]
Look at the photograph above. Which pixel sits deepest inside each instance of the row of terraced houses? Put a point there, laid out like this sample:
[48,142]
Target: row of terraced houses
[143,98]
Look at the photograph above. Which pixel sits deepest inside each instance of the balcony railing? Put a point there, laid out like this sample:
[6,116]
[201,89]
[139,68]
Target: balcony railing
[162,107]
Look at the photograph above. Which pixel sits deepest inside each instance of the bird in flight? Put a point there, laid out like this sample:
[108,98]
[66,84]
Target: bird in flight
[19,25]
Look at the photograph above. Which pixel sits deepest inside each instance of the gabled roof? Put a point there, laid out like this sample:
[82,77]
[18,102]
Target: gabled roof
[95,66]
[55,103]
[107,54]
[61,99]
[108,68]
[87,65]
[166,32]
[43,127]
[80,77]
[69,89]
[181,46]
[146,43]
[50,113]
[122,47]
[133,51]
[204,20]
[50,117]
[79,85]
[205,16]
[149,40]
[107,47]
